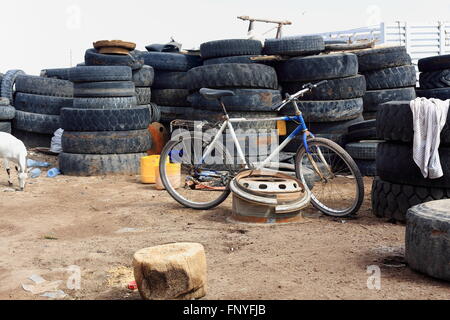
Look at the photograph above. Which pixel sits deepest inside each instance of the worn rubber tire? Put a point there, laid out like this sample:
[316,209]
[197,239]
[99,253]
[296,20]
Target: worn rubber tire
[169,113]
[37,123]
[105,103]
[230,47]
[335,89]
[313,68]
[106,142]
[232,59]
[366,150]
[337,127]
[443,93]
[395,163]
[243,100]
[143,77]
[100,73]
[376,59]
[368,168]
[104,89]
[5,126]
[232,75]
[41,104]
[44,86]
[435,63]
[395,123]
[427,240]
[168,61]
[7,85]
[392,201]
[170,97]
[369,115]
[294,46]
[435,79]
[143,95]
[73,164]
[327,111]
[389,78]
[373,98]
[58,73]
[133,60]
[170,80]
[7,112]
[105,119]
[32,139]
[364,130]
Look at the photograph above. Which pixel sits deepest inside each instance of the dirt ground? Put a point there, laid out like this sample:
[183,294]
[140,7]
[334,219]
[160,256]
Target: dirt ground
[97,224]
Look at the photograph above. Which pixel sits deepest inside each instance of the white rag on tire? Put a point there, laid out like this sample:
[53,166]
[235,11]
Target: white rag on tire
[429,118]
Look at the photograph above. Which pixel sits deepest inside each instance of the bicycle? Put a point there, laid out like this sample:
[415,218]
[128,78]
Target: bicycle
[328,163]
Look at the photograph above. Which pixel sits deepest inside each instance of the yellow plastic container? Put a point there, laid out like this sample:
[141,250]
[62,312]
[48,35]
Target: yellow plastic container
[281,126]
[173,171]
[148,165]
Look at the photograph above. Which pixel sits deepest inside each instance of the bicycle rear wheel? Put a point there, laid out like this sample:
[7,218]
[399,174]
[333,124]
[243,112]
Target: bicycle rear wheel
[204,183]
[338,188]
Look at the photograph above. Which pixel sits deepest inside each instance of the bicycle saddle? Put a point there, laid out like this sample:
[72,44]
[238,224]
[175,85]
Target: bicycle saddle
[212,94]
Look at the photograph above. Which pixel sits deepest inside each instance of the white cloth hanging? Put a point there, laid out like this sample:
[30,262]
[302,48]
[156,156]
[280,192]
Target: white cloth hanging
[429,118]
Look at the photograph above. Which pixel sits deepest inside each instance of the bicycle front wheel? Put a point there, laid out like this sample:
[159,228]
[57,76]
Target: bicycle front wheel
[338,187]
[204,180]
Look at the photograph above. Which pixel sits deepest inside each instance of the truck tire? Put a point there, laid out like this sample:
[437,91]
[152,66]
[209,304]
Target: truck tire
[396,77]
[7,112]
[328,111]
[390,128]
[435,63]
[5,126]
[364,130]
[170,80]
[232,59]
[132,60]
[294,46]
[168,61]
[442,93]
[243,100]
[376,59]
[106,142]
[37,123]
[230,47]
[392,201]
[427,241]
[104,89]
[58,73]
[105,119]
[395,163]
[105,103]
[100,73]
[7,85]
[41,104]
[232,75]
[143,77]
[44,86]
[368,168]
[366,150]
[314,68]
[73,164]
[335,89]
[143,95]
[170,97]
[435,79]
[373,98]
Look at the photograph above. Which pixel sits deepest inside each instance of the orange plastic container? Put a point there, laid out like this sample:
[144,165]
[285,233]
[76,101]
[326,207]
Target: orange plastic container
[173,172]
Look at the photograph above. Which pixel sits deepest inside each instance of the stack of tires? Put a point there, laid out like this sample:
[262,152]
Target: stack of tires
[7,112]
[105,132]
[390,76]
[38,102]
[227,65]
[434,78]
[57,73]
[400,183]
[331,108]
[170,89]
[143,80]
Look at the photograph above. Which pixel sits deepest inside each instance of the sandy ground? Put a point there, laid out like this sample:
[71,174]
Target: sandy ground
[98,223]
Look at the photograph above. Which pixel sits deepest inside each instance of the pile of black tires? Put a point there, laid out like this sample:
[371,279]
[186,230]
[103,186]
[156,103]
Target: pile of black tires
[434,77]
[331,108]
[400,183]
[105,132]
[38,102]
[390,76]
[7,112]
[170,89]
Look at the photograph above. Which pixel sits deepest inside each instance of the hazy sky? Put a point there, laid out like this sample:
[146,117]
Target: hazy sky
[40,34]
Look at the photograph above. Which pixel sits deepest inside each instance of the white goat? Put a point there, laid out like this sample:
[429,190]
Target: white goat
[12,149]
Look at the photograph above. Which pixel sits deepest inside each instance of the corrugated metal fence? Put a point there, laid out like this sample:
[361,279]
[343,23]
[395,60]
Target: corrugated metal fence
[420,40]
